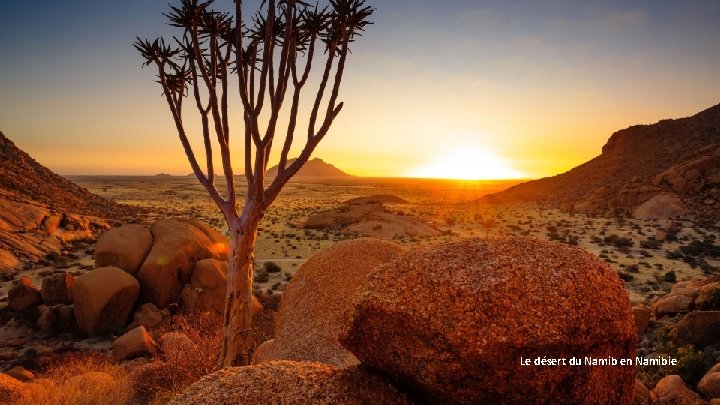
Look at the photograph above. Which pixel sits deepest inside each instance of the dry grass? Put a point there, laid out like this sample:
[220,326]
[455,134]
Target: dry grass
[79,380]
[93,378]
[180,365]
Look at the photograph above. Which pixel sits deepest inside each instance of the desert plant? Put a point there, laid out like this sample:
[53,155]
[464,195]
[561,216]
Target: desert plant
[262,56]
[670,277]
[272,267]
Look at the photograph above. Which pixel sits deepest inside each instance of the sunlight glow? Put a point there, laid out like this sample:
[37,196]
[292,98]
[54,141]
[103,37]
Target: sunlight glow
[468,163]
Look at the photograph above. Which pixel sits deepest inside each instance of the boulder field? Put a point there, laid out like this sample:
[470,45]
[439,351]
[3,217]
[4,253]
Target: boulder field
[450,323]
[173,261]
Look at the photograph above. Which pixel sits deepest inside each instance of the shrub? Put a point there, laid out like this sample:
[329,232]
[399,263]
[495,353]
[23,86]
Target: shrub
[261,276]
[650,243]
[626,276]
[670,277]
[272,267]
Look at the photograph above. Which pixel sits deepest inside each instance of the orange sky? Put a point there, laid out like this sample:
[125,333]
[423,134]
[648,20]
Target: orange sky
[539,86]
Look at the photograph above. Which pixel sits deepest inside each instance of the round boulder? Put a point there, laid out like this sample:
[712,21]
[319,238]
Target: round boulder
[208,285]
[454,323]
[698,328]
[288,382]
[124,247]
[178,245]
[315,303]
[104,298]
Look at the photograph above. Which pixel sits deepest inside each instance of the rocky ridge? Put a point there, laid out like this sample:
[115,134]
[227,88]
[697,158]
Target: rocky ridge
[664,170]
[42,212]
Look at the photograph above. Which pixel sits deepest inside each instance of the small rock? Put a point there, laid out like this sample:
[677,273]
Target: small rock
[23,295]
[709,297]
[65,316]
[19,373]
[710,383]
[7,355]
[149,315]
[132,344]
[641,395]
[673,390]
[47,319]
[57,289]
[673,304]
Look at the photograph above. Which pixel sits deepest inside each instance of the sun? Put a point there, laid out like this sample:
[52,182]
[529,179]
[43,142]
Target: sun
[468,163]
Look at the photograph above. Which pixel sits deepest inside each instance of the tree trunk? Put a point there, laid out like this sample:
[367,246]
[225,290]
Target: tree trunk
[238,338]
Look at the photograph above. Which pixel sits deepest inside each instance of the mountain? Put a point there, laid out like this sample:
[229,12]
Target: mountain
[40,212]
[314,168]
[664,170]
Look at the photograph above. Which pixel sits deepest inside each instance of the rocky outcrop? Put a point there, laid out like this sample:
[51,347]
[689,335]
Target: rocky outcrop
[676,173]
[104,298]
[315,303]
[177,246]
[370,219]
[40,212]
[453,322]
[124,247]
[287,382]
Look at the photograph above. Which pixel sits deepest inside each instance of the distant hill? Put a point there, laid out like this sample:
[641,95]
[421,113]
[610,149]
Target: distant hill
[314,168]
[663,170]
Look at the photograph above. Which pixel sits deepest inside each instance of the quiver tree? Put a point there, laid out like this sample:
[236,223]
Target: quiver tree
[267,59]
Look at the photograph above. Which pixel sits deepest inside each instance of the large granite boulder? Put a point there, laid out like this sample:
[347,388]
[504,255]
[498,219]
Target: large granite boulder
[124,247]
[453,322]
[178,245]
[104,298]
[699,328]
[315,303]
[288,382]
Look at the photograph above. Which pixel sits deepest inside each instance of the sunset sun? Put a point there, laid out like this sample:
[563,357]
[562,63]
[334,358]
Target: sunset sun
[468,162]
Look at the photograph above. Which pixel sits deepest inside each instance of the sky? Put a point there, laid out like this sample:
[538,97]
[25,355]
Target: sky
[492,88]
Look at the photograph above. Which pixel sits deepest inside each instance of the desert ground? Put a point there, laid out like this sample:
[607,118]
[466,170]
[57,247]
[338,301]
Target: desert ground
[447,205]
[311,215]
